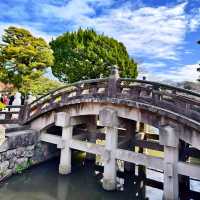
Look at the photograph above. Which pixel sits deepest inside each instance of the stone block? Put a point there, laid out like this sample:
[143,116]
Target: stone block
[4,146]
[30,148]
[109,185]
[3,156]
[169,136]
[4,166]
[10,154]
[22,139]
[64,169]
[20,151]
[108,117]
[2,134]
[28,153]
[12,162]
[62,119]
[169,169]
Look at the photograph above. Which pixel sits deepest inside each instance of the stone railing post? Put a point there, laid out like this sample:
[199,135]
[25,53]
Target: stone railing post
[170,139]
[113,81]
[108,118]
[64,120]
[23,113]
[156,97]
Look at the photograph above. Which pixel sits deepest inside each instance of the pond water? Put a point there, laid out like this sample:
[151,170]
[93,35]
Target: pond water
[43,182]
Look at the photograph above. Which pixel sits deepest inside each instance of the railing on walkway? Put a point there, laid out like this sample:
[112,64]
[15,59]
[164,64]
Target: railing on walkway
[11,115]
[181,101]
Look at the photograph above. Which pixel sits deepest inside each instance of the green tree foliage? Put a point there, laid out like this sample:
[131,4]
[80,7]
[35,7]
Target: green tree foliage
[22,55]
[38,86]
[86,55]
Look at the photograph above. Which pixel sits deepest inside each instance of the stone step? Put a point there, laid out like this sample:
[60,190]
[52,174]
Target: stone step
[20,138]
[15,127]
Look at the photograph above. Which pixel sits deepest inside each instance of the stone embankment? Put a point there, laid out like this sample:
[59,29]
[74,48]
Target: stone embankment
[22,149]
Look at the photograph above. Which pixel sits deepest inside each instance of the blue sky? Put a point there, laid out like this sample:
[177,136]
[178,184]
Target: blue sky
[161,35]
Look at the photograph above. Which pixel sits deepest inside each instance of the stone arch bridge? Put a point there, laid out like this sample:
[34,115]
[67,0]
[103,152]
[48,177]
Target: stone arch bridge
[111,108]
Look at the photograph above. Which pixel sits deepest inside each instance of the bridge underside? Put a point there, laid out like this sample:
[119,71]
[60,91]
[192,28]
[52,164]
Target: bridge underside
[116,123]
[186,129]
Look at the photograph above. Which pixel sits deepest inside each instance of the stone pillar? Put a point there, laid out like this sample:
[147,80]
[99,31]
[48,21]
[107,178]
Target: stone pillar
[184,181]
[64,120]
[108,118]
[92,130]
[142,168]
[130,131]
[113,83]
[170,139]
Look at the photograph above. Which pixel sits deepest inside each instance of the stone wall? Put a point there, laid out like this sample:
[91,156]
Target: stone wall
[21,150]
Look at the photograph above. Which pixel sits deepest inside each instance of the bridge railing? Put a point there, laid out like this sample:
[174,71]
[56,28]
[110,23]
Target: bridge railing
[181,101]
[63,94]
[11,114]
[168,97]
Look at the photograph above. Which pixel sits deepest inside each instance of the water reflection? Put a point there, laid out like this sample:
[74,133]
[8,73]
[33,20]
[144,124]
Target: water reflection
[44,183]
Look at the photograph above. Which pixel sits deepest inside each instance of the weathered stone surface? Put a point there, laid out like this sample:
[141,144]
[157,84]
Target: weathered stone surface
[108,117]
[21,161]
[62,119]
[12,162]
[5,174]
[169,136]
[4,146]
[2,134]
[3,156]
[43,151]
[21,147]
[10,154]
[22,138]
[20,151]
[8,173]
[4,166]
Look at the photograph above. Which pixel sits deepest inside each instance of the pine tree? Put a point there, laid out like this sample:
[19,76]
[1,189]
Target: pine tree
[22,55]
[84,54]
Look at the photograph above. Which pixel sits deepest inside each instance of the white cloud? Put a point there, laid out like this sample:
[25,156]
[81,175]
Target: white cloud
[185,73]
[152,65]
[153,32]
[71,11]
[156,32]
[194,21]
[75,10]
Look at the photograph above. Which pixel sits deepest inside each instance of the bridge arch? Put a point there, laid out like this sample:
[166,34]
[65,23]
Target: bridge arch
[174,111]
[138,112]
